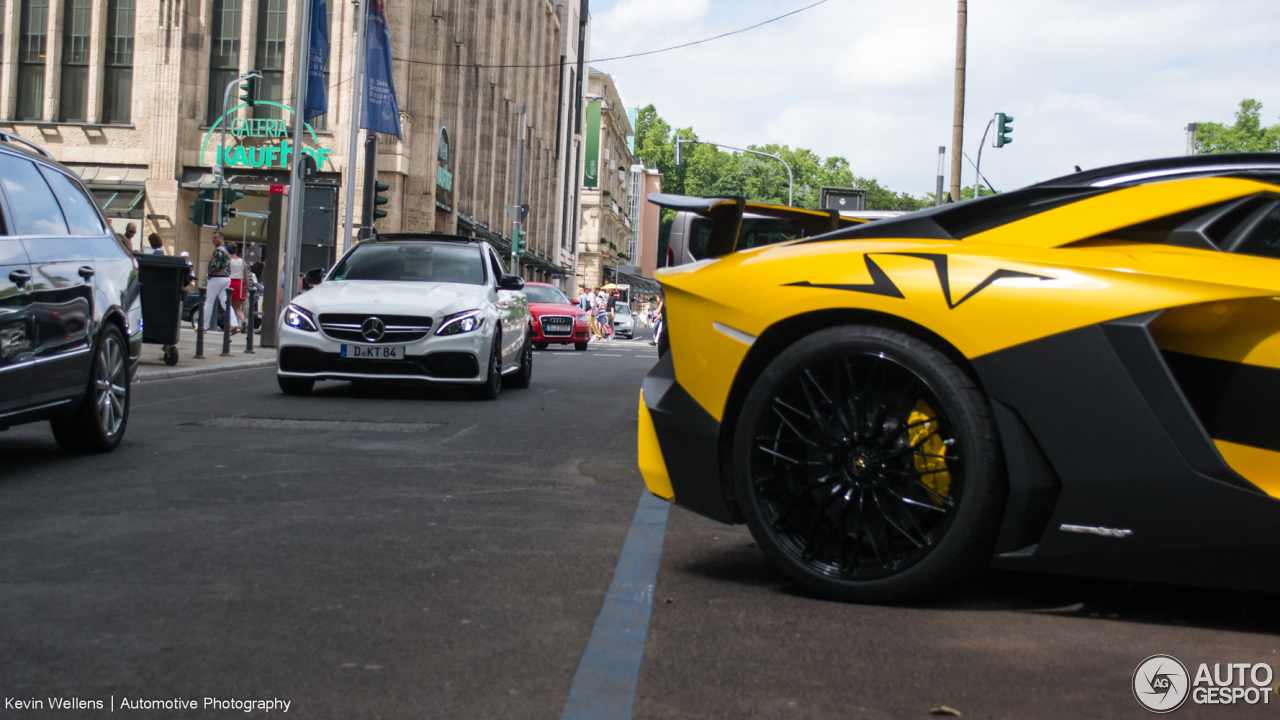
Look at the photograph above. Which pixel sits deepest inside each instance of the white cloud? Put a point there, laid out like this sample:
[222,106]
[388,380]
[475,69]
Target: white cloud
[1090,82]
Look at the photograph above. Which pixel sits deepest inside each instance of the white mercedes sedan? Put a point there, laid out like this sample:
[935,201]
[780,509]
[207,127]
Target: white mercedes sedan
[410,308]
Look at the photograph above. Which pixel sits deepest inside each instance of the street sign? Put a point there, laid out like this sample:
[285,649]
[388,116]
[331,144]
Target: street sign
[518,214]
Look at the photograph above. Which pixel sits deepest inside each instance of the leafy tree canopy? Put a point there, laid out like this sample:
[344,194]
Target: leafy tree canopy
[1246,135]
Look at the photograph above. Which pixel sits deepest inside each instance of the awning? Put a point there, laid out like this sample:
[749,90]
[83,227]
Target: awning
[637,283]
[119,190]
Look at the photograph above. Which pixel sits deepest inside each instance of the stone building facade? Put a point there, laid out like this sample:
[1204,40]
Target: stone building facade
[129,94]
[606,231]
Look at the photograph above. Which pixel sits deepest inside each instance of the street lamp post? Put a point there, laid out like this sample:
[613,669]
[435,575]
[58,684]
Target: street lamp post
[219,170]
[790,179]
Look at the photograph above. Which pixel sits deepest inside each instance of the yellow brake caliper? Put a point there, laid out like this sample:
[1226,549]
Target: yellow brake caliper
[933,470]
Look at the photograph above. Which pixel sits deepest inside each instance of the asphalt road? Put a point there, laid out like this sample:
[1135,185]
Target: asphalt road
[374,552]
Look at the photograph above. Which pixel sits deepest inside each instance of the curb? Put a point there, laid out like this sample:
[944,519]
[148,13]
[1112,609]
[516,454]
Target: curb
[145,375]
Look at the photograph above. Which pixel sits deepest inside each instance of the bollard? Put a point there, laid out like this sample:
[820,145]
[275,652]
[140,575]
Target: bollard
[253,311]
[200,327]
[226,323]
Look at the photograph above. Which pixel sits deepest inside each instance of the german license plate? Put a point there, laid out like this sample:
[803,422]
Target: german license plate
[373,352]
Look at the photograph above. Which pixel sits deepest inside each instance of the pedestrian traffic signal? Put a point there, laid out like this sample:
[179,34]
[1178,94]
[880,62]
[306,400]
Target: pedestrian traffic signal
[204,212]
[520,242]
[379,199]
[229,196]
[1004,126]
[249,91]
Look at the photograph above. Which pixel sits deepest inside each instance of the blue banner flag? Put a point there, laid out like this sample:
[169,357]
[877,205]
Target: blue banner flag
[317,93]
[380,113]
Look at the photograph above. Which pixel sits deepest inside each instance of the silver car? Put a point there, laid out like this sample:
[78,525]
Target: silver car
[413,308]
[624,323]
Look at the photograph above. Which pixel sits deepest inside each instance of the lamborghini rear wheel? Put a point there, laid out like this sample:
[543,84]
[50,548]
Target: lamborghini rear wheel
[866,464]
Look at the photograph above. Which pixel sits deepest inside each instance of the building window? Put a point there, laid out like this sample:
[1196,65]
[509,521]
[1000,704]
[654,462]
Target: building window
[224,54]
[32,43]
[321,122]
[73,103]
[117,91]
[272,15]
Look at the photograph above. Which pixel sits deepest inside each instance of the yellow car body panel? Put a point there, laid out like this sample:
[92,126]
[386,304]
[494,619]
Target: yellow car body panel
[652,466]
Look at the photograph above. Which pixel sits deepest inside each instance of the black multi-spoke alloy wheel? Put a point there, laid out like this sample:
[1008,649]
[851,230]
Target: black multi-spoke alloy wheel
[866,464]
[98,424]
[521,378]
[492,385]
[295,386]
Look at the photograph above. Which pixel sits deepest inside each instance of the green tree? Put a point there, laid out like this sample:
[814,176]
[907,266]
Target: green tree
[1246,135]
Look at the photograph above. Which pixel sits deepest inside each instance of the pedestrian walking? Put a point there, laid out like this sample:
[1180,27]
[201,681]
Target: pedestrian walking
[219,279]
[658,324]
[611,307]
[239,284]
[602,318]
[157,245]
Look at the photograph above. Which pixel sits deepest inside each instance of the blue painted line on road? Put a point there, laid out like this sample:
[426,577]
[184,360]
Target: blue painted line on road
[604,687]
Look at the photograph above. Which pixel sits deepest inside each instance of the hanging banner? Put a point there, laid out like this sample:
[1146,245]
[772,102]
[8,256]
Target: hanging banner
[380,113]
[591,174]
[317,94]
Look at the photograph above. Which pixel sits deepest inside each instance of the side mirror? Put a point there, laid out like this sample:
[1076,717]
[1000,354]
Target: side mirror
[510,282]
[573,302]
[314,276]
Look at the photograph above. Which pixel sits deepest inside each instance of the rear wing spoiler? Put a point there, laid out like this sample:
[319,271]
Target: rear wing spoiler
[727,211]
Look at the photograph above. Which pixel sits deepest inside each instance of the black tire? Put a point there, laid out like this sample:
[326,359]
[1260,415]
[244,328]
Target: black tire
[492,385]
[580,346]
[295,386]
[170,355]
[97,425]
[521,378]
[867,465]
[541,346]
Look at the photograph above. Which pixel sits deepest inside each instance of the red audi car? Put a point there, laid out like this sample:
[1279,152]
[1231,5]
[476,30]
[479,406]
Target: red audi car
[555,318]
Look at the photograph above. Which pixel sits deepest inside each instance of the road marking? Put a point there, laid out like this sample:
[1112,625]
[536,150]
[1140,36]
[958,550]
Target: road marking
[606,355]
[604,687]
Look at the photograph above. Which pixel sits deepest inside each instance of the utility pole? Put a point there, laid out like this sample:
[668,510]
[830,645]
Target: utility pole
[353,138]
[957,123]
[518,218]
[1191,138]
[942,155]
[297,180]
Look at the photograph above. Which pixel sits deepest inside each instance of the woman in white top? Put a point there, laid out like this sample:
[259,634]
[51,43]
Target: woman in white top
[239,285]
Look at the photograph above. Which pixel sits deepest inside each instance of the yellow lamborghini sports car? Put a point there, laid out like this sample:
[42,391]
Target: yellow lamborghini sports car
[1081,376]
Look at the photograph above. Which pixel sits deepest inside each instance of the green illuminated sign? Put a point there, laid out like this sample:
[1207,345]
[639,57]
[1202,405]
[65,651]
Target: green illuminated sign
[259,156]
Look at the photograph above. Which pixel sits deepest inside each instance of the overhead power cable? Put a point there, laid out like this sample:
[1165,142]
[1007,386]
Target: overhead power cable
[593,61]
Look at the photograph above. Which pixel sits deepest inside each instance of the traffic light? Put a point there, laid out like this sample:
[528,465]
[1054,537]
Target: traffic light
[229,196]
[204,212]
[1004,126]
[520,242]
[379,199]
[249,91]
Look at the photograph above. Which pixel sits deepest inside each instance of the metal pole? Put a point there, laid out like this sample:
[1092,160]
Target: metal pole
[942,154]
[297,188]
[248,332]
[222,145]
[1191,138]
[957,123]
[227,314]
[515,234]
[790,179]
[353,136]
[977,166]
[200,327]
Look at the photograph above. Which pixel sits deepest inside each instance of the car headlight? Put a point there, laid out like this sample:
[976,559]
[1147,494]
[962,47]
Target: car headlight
[584,318]
[463,322]
[296,317]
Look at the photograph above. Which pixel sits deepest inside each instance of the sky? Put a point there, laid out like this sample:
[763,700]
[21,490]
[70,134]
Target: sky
[1089,82]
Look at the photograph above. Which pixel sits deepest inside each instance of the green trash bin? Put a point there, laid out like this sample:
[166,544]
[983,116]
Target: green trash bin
[164,281]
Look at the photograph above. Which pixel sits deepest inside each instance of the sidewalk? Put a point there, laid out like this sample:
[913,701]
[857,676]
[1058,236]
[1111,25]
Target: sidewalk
[152,366]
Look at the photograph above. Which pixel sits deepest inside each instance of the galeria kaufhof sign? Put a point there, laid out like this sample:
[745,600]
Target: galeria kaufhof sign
[274,153]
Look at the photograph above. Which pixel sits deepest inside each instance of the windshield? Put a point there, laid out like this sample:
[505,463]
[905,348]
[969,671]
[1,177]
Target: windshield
[413,262]
[543,294]
[621,309]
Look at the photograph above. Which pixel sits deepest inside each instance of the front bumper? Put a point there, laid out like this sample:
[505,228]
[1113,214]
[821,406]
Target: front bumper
[679,447]
[458,359]
[581,333]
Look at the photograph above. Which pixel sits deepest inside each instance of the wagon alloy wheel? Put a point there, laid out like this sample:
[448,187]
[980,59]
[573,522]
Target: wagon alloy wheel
[855,460]
[98,422]
[109,387]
